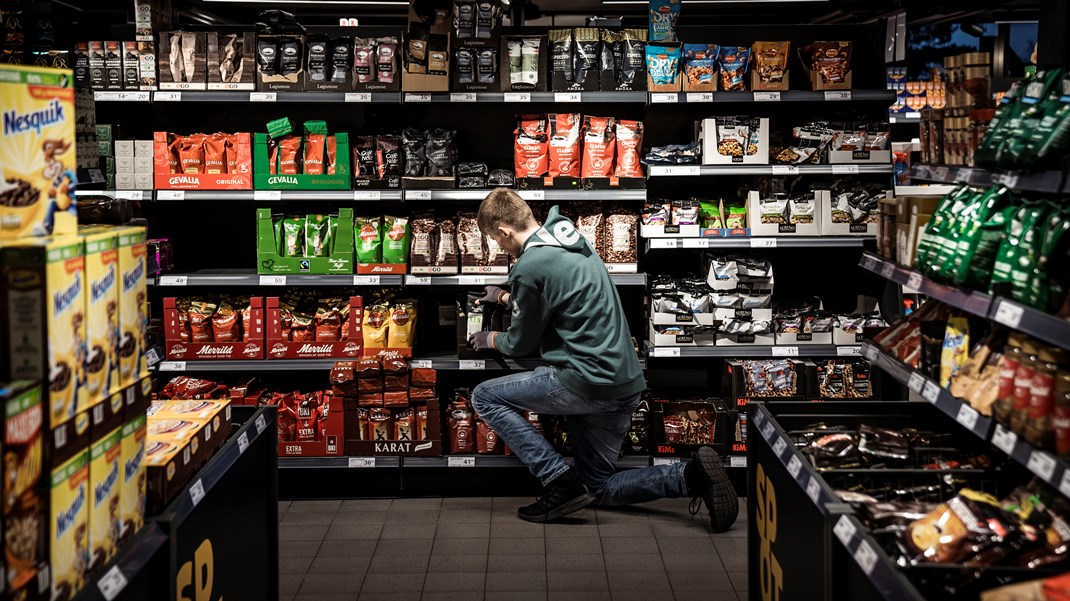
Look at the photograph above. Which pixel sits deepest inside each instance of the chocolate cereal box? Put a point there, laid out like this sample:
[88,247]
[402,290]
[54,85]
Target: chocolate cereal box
[104,486]
[69,525]
[37,162]
[22,510]
[102,313]
[132,493]
[133,298]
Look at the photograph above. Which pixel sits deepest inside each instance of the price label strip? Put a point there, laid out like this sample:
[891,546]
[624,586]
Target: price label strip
[172,366]
[848,351]
[914,281]
[1004,440]
[517,97]
[887,270]
[461,462]
[785,170]
[361,462]
[667,351]
[462,97]
[366,280]
[263,97]
[112,583]
[844,530]
[170,195]
[196,492]
[794,466]
[661,98]
[666,460]
[844,169]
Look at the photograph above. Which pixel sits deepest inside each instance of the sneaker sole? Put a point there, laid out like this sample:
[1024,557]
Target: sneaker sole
[725,507]
[571,507]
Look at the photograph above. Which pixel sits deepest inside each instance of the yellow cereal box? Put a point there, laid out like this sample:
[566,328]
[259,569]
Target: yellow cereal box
[69,526]
[37,162]
[132,492]
[102,313]
[133,299]
[104,484]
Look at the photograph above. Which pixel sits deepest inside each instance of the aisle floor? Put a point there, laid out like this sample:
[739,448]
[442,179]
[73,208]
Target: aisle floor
[462,549]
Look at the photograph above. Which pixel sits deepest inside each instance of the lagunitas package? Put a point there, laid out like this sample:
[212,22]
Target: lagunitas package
[104,484]
[102,313]
[133,294]
[37,169]
[69,524]
[132,466]
[23,506]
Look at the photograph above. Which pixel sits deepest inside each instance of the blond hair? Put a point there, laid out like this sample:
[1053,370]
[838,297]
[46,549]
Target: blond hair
[504,207]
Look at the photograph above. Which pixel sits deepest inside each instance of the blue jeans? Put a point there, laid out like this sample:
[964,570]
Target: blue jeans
[596,431]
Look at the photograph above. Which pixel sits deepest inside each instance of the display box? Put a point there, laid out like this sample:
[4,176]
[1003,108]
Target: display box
[102,312]
[182,58]
[482,72]
[105,483]
[816,82]
[320,54]
[737,431]
[429,183]
[264,180]
[113,65]
[132,470]
[165,180]
[287,54]
[172,460]
[331,433]
[419,80]
[97,65]
[677,83]
[133,304]
[735,387]
[862,382]
[672,445]
[804,338]
[836,218]
[522,84]
[705,337]
[725,339]
[175,349]
[723,146]
[80,60]
[745,314]
[68,519]
[231,61]
[146,68]
[842,337]
[24,418]
[784,223]
[848,157]
[430,446]
[271,261]
[381,268]
[393,56]
[280,348]
[682,319]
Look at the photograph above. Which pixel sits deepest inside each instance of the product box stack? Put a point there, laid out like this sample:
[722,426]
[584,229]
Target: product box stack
[214,328]
[313,244]
[128,164]
[469,434]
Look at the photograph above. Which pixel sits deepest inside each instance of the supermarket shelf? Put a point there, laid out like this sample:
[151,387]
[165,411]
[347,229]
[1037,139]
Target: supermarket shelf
[133,556]
[338,462]
[1038,324]
[285,97]
[885,577]
[782,96]
[698,170]
[1051,182]
[620,279]
[119,194]
[745,350]
[444,363]
[760,242]
[241,277]
[930,190]
[500,461]
[277,195]
[480,194]
[521,97]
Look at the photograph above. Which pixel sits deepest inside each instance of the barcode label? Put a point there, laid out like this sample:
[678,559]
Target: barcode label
[916,382]
[794,466]
[844,529]
[887,270]
[112,583]
[866,557]
[813,489]
[768,431]
[196,492]
[260,424]
[568,97]
[1041,464]
[931,391]
[243,442]
[967,416]
[737,462]
[1004,440]
[914,281]
[779,446]
[1009,314]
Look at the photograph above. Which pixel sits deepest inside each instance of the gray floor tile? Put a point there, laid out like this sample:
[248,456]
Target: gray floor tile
[517,545]
[511,502]
[698,580]
[738,531]
[417,504]
[573,562]
[402,546]
[408,531]
[294,565]
[458,546]
[635,580]
[457,563]
[393,564]
[453,596]
[307,518]
[578,596]
[447,582]
[573,545]
[340,565]
[345,516]
[347,548]
[630,545]
[692,561]
[630,529]
[682,529]
[327,505]
[290,583]
[635,513]
[641,562]
[331,583]
[515,596]
[739,580]
[412,516]
[571,530]
[594,580]
[516,562]
[298,548]
[301,533]
[462,530]
[517,530]
[354,531]
[468,503]
[464,515]
[685,545]
[379,582]
[516,581]
[388,596]
[366,504]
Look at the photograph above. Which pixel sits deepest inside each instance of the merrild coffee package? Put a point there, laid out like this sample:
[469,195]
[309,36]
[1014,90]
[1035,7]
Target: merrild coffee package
[102,313]
[22,437]
[231,61]
[183,58]
[133,296]
[69,524]
[105,481]
[38,178]
[132,491]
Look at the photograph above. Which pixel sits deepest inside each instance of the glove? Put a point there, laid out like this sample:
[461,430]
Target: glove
[493,294]
[482,341]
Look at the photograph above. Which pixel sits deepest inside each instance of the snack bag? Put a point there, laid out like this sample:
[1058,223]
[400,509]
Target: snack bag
[771,60]
[700,63]
[732,62]
[956,349]
[663,15]
[662,63]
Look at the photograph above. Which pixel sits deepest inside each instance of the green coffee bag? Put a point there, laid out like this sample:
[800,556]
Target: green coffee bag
[368,239]
[969,230]
[1052,270]
[1017,254]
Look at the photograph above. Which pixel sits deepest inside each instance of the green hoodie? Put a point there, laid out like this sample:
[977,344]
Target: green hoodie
[565,304]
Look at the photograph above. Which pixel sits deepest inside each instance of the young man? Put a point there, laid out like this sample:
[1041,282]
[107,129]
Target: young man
[565,305]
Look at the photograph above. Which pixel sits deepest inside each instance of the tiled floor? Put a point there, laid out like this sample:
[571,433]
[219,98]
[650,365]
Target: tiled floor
[462,549]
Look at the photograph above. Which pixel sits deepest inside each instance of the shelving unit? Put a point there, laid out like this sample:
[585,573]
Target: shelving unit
[1048,182]
[711,170]
[442,363]
[760,242]
[218,278]
[747,350]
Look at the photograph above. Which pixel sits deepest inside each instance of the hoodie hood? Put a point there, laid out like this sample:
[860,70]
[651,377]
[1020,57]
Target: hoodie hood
[558,231]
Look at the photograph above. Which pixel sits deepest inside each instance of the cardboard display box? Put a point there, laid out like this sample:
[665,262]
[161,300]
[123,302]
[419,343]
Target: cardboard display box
[332,433]
[431,446]
[734,388]
[757,85]
[712,149]
[104,482]
[231,61]
[482,71]
[175,349]
[765,339]
[804,338]
[682,319]
[278,348]
[102,313]
[132,469]
[848,157]
[836,220]
[264,180]
[133,304]
[270,261]
[165,180]
[172,459]
[783,224]
[381,55]
[542,81]
[703,338]
[416,81]
[665,447]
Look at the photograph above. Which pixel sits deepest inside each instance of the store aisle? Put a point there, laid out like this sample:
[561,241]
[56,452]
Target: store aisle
[462,549]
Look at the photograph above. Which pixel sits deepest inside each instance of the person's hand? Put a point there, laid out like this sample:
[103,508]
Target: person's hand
[494,294]
[482,341]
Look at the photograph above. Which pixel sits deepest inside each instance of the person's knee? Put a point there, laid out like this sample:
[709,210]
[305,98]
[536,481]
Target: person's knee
[481,399]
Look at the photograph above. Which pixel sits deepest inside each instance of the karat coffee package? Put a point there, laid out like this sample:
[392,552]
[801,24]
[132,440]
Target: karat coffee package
[231,61]
[182,59]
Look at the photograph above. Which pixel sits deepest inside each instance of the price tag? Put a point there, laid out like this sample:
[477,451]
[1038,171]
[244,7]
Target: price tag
[785,351]
[767,96]
[472,280]
[112,583]
[794,466]
[967,416]
[931,391]
[243,442]
[844,530]
[272,280]
[837,95]
[167,97]
[121,96]
[128,195]
[763,242]
[887,270]
[666,351]
[418,195]
[267,194]
[848,351]
[361,462]
[866,557]
[260,424]
[568,97]
[759,418]
[737,462]
[813,489]
[1064,485]
[417,98]
[779,446]
[696,243]
[941,173]
[699,96]
[914,281]
[676,170]
[785,169]
[153,358]
[1009,179]
[962,175]
[869,263]
[1004,440]
[196,492]
[463,97]
[666,460]
[844,169]
[768,430]
[358,97]
[916,382]
[533,194]
[1009,314]
[420,363]
[1041,464]
[460,462]
[472,364]
[172,280]
[170,195]
[263,97]
[665,243]
[664,98]
[870,352]
[417,281]
[517,97]
[172,366]
[366,280]
[367,195]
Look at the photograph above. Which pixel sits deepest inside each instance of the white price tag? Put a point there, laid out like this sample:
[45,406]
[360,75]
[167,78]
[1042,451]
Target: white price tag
[472,364]
[196,492]
[167,97]
[700,96]
[517,97]
[837,95]
[916,382]
[417,98]
[813,489]
[696,243]
[962,175]
[942,174]
[887,270]
[128,195]
[661,98]
[967,416]
[1009,314]
[768,431]
[358,97]
[848,351]
[737,462]
[1064,485]
[866,557]
[263,97]
[1004,440]
[418,195]
[96,176]
[844,169]
[759,418]
[1009,179]
[420,363]
[844,530]
[666,351]
[666,243]
[869,263]
[172,366]
[794,466]
[568,97]
[243,442]
[367,195]
[260,424]
[170,195]
[763,242]
[153,358]
[779,446]
[413,280]
[1041,464]
[914,281]
[172,280]
[785,169]
[472,280]
[121,96]
[463,97]
[767,96]
[460,462]
[785,351]
[533,194]
[666,460]
[267,194]
[931,391]
[366,280]
[361,462]
[675,170]
[112,583]
[272,280]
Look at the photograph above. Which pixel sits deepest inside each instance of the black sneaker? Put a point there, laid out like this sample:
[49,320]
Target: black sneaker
[707,479]
[564,495]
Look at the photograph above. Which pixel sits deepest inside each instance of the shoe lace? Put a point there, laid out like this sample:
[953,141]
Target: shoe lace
[695,506]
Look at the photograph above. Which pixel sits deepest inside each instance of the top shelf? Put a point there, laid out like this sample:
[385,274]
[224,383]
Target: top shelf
[1049,182]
